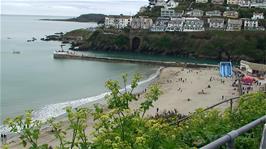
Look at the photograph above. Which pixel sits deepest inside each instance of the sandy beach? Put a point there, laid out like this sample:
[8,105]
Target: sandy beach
[183,89]
[189,89]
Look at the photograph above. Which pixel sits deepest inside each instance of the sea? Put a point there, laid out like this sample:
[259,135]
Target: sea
[34,80]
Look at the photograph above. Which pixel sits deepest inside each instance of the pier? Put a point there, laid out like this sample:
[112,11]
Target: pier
[72,55]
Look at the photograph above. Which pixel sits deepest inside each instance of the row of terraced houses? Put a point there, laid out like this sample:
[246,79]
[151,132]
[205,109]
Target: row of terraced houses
[187,21]
[192,21]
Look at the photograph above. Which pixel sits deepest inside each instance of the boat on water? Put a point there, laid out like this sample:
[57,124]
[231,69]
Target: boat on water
[16,52]
[32,40]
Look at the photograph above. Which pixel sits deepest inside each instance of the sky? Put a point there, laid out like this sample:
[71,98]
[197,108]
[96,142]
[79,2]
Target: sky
[71,7]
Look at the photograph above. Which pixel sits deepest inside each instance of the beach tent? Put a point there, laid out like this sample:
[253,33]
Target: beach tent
[247,80]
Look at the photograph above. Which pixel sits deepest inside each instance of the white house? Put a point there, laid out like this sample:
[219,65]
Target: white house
[142,22]
[175,25]
[216,23]
[118,22]
[244,3]
[171,4]
[250,24]
[195,13]
[160,24]
[214,13]
[201,1]
[231,14]
[165,12]
[232,2]
[135,23]
[234,25]
[146,22]
[258,3]
[167,4]
[257,16]
[193,25]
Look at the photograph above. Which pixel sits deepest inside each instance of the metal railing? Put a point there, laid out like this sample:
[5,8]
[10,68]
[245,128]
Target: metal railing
[231,100]
[229,137]
[263,139]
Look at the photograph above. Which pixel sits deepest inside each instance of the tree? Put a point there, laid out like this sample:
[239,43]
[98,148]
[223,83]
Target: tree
[261,44]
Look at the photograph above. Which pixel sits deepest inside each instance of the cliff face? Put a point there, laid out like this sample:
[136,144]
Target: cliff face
[215,45]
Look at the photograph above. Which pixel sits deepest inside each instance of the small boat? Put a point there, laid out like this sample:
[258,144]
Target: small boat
[16,52]
[33,38]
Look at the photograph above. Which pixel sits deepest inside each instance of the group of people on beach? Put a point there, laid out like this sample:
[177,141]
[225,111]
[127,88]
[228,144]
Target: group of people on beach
[209,86]
[246,90]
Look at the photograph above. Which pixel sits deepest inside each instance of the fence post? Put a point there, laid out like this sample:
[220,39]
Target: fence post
[231,105]
[263,139]
[230,144]
[239,86]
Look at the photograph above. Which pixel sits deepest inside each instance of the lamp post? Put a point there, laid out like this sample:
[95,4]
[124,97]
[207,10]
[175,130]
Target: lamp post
[264,56]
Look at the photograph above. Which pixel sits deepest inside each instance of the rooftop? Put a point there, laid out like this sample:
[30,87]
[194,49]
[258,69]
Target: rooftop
[216,20]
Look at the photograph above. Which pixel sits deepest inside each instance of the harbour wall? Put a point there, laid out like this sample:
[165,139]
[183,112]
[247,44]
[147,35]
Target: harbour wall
[123,60]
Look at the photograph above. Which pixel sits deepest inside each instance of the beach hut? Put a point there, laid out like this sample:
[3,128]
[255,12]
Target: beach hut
[254,69]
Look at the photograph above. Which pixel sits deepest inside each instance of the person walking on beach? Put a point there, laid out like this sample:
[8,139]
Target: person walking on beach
[2,139]
[5,139]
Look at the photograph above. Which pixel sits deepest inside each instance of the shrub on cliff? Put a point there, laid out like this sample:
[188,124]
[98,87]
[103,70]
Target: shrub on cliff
[121,40]
[84,33]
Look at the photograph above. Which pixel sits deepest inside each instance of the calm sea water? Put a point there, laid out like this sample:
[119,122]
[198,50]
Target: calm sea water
[34,80]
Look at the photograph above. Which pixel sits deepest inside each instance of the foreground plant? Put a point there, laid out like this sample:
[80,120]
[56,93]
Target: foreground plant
[77,124]
[122,126]
[28,130]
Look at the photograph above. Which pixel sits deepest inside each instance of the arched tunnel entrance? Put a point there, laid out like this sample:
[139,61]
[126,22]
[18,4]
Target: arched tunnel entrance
[135,43]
